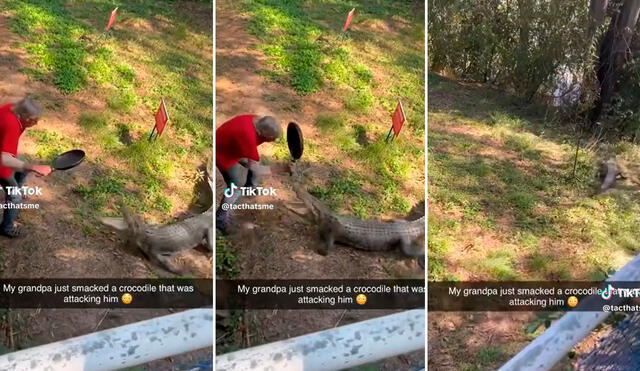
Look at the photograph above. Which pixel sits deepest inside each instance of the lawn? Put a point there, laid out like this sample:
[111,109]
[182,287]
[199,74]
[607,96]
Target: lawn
[157,49]
[367,69]
[505,202]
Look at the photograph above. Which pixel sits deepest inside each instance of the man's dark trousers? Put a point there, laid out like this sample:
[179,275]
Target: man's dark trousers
[11,213]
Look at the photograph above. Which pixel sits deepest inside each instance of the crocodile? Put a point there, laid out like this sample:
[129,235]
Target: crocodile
[161,243]
[370,235]
[608,173]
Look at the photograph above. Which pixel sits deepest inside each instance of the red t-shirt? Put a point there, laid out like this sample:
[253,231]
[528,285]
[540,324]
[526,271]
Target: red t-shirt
[10,131]
[236,139]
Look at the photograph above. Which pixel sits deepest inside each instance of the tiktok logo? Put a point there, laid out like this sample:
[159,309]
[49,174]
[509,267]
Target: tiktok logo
[229,192]
[606,293]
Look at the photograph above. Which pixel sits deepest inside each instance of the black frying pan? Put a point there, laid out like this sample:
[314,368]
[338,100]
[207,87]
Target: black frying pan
[295,141]
[68,160]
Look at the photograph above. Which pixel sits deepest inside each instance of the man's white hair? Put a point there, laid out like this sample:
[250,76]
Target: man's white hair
[268,127]
[27,108]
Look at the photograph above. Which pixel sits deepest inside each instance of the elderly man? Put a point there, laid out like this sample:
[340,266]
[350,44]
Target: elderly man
[14,119]
[237,156]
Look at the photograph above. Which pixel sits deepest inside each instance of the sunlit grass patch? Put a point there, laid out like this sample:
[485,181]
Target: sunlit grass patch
[289,43]
[106,190]
[339,189]
[339,129]
[330,123]
[50,144]
[151,158]
[438,244]
[281,152]
[390,160]
[486,358]
[500,265]
[226,258]
[103,189]
[539,262]
[53,42]
[523,144]
[544,210]
[489,355]
[60,50]
[505,120]
[122,100]
[100,126]
[612,220]
[359,100]
[94,120]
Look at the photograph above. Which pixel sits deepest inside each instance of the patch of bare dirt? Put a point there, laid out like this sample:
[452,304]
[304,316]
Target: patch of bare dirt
[55,244]
[280,244]
[455,338]
[503,331]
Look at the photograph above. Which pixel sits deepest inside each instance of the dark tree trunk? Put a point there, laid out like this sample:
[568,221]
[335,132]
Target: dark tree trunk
[614,52]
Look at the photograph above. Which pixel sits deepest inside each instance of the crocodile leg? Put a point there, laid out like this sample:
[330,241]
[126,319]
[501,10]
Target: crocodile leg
[413,248]
[166,261]
[410,247]
[326,233]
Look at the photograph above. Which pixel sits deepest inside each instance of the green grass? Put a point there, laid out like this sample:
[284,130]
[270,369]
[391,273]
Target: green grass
[368,71]
[226,259]
[111,185]
[94,120]
[104,187]
[338,127]
[539,262]
[50,144]
[501,167]
[359,100]
[53,42]
[66,47]
[330,123]
[438,247]
[505,120]
[123,100]
[500,265]
[485,359]
[290,41]
[60,51]
[341,188]
[388,168]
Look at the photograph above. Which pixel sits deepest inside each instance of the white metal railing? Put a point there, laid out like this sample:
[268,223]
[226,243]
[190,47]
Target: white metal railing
[549,348]
[119,347]
[335,349]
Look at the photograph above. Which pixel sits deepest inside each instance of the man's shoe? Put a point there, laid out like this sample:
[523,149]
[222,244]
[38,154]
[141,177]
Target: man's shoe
[12,232]
[222,221]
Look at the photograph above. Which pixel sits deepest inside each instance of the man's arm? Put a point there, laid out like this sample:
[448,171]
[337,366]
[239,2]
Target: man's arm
[257,168]
[251,164]
[10,161]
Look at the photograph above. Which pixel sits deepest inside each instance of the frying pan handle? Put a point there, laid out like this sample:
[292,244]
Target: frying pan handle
[36,173]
